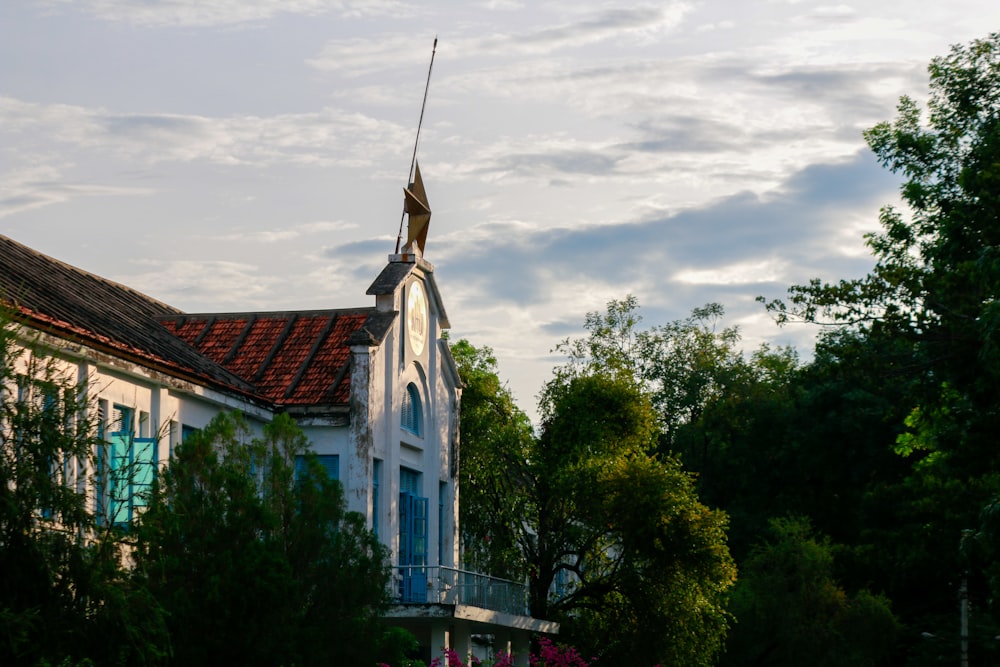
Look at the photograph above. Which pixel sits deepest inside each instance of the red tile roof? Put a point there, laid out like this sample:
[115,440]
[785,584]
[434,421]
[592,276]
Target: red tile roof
[293,359]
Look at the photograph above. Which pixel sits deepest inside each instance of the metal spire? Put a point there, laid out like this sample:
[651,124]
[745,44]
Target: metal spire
[414,197]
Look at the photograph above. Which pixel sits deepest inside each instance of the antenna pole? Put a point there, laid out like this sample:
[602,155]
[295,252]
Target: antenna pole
[416,142]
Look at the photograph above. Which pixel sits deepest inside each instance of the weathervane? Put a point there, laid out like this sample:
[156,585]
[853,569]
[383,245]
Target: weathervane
[414,196]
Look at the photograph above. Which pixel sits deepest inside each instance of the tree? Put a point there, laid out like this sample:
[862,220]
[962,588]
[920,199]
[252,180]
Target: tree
[936,281]
[496,440]
[248,547]
[622,552]
[689,368]
[932,301]
[718,409]
[611,535]
[792,612]
[64,595]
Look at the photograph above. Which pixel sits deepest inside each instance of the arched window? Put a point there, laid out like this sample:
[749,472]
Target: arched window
[412,418]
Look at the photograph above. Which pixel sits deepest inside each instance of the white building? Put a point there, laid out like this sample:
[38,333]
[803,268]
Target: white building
[374,388]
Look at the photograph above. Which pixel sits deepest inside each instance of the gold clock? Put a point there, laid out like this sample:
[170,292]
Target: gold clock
[416,318]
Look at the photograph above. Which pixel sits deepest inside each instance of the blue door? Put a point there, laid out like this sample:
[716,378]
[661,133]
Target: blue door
[413,547]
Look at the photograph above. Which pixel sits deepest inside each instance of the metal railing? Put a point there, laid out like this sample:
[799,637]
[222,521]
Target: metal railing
[423,584]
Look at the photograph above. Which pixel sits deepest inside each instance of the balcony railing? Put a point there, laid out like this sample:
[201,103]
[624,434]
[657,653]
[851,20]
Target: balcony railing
[421,584]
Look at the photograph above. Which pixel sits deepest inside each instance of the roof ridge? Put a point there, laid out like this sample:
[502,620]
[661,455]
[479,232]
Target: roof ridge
[319,312]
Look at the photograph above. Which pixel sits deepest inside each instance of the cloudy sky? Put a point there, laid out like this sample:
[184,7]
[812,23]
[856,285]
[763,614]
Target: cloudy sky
[250,154]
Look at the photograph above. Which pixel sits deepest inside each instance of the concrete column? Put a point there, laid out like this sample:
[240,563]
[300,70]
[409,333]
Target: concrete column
[160,423]
[462,639]
[440,639]
[521,646]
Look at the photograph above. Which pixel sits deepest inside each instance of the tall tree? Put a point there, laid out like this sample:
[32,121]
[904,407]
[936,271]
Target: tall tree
[247,545]
[64,594]
[621,549]
[931,304]
[686,366]
[936,282]
[611,535]
[496,441]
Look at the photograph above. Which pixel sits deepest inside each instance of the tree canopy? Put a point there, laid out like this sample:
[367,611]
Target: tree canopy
[923,324]
[248,547]
[496,440]
[64,592]
[616,545]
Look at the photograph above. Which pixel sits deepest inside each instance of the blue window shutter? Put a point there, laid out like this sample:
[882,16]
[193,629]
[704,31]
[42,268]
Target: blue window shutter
[412,529]
[118,473]
[126,465]
[406,411]
[143,471]
[405,528]
[409,480]
[329,462]
[129,468]
[412,413]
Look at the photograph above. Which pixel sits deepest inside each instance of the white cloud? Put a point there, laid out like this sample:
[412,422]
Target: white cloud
[35,187]
[574,152]
[743,273]
[219,285]
[835,13]
[327,137]
[286,234]
[358,56]
[223,12]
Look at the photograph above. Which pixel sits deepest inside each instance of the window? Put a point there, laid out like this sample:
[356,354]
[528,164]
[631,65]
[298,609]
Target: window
[38,415]
[37,422]
[127,465]
[412,417]
[329,462]
[409,481]
[187,432]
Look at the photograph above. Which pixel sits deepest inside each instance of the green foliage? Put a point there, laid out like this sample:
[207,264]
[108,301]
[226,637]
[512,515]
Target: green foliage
[496,440]
[647,563]
[612,536]
[656,595]
[64,597]
[936,281]
[683,366]
[255,564]
[929,309]
[792,612]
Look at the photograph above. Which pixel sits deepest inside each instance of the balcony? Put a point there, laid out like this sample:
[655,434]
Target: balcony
[421,584]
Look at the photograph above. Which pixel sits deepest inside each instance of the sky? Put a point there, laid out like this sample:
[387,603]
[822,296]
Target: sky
[232,155]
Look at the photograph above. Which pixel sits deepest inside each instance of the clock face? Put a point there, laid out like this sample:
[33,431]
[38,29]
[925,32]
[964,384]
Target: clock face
[416,318]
